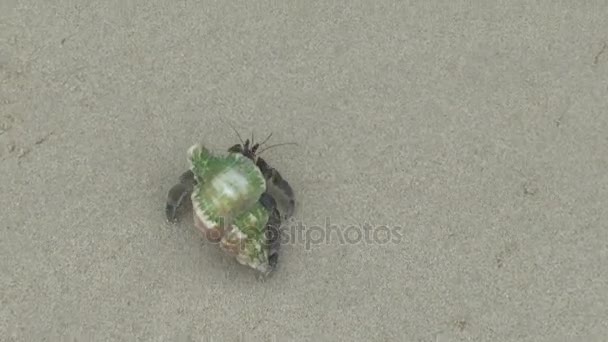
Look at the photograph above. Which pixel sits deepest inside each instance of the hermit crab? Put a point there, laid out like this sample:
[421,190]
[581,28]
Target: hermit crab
[234,198]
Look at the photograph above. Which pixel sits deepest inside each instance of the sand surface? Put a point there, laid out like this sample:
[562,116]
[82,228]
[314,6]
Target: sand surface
[467,142]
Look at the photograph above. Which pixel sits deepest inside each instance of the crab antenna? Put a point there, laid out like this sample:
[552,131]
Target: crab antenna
[237,133]
[275,145]
[265,140]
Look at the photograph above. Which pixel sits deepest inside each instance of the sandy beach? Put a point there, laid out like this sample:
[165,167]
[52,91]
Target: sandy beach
[450,169]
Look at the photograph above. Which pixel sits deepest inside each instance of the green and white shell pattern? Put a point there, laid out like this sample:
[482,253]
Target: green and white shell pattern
[227,198]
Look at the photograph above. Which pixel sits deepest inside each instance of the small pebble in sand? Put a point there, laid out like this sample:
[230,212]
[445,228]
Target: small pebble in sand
[530,189]
[23,152]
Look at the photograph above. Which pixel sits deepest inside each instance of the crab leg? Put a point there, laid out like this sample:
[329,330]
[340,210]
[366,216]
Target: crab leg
[275,178]
[179,194]
[273,233]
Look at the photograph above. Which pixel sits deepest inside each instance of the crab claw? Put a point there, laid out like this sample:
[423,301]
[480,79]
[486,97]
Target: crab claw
[179,195]
[175,198]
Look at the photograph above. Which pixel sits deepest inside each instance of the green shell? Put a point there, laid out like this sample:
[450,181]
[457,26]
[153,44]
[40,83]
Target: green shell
[228,186]
[228,192]
[253,224]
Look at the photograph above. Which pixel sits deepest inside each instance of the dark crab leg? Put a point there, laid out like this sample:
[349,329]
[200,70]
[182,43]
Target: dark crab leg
[179,194]
[273,232]
[275,178]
